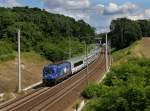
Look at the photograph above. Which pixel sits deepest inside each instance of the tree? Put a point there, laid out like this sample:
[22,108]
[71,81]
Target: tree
[124,32]
[39,26]
[135,99]
[145,26]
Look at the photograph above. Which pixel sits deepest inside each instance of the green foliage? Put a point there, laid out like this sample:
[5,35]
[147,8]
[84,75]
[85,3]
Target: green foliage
[91,91]
[44,32]
[113,104]
[52,52]
[124,32]
[145,26]
[33,56]
[147,109]
[147,93]
[135,98]
[126,88]
[56,50]
[5,47]
[30,35]
[6,51]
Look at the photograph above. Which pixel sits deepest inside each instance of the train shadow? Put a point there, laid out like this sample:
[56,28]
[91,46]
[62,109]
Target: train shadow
[42,85]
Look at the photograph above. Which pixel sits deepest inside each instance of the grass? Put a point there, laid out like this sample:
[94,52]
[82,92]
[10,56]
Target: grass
[4,58]
[32,56]
[7,96]
[28,56]
[139,49]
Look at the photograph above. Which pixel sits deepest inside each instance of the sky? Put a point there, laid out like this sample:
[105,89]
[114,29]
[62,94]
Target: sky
[98,13]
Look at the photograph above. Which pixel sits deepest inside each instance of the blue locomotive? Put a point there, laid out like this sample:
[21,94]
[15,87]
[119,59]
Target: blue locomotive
[54,73]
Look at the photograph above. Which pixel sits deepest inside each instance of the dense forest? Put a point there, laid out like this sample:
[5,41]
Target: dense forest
[46,33]
[126,88]
[123,32]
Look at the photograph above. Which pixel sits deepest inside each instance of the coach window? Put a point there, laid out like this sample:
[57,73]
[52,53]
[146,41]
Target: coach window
[78,63]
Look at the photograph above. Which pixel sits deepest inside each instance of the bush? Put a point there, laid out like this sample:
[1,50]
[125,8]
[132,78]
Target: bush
[52,52]
[147,94]
[91,91]
[135,98]
[5,48]
[57,50]
[126,88]
[6,51]
[147,109]
[144,62]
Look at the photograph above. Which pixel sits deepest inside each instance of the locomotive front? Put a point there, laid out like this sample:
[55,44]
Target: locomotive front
[49,74]
[56,72]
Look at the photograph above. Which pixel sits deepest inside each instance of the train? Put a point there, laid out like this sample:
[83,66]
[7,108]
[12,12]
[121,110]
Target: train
[54,73]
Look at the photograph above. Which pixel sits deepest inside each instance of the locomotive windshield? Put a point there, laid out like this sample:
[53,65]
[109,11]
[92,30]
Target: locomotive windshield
[63,68]
[49,70]
[60,71]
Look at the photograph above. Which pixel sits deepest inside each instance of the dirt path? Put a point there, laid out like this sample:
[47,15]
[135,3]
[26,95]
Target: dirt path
[145,48]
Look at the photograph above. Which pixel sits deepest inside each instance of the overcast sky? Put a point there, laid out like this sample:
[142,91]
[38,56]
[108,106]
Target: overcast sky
[97,13]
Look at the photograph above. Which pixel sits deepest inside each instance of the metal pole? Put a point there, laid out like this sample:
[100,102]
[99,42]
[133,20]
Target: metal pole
[70,48]
[106,53]
[87,67]
[19,61]
[110,53]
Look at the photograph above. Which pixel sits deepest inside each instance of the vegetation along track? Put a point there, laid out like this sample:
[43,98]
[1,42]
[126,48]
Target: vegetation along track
[49,96]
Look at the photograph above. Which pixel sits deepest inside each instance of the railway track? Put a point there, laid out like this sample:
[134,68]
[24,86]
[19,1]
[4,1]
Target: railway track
[45,106]
[64,102]
[45,98]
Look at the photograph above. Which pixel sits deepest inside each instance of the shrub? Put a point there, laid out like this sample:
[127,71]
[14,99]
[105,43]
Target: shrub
[135,98]
[5,48]
[126,88]
[147,109]
[6,51]
[91,91]
[147,94]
